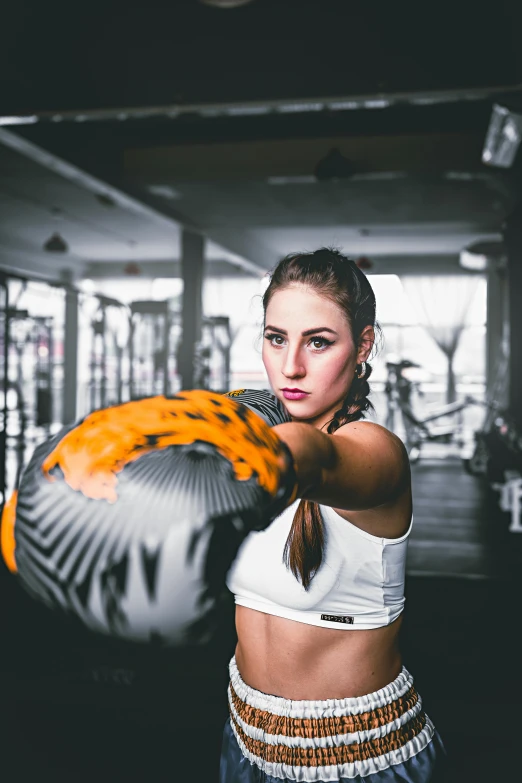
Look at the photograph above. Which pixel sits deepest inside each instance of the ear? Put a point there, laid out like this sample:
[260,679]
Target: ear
[366,341]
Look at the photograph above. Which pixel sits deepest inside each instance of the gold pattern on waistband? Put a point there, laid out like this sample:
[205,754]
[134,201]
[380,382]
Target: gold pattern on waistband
[323,727]
[332,756]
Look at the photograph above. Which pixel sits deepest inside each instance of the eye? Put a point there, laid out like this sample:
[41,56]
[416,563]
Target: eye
[272,337]
[322,341]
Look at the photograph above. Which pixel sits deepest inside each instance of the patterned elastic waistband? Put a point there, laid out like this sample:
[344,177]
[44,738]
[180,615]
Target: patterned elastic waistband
[330,739]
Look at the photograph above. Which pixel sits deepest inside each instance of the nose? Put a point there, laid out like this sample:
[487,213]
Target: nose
[293,366]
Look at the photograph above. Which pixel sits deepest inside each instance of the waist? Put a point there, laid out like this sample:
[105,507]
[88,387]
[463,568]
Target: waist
[328,739]
[298,661]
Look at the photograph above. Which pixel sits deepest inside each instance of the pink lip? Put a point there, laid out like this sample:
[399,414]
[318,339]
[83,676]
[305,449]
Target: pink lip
[294,394]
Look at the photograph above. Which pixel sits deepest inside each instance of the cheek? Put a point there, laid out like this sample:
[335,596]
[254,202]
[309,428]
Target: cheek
[336,371]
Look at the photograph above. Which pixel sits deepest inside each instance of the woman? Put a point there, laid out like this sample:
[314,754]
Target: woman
[317,690]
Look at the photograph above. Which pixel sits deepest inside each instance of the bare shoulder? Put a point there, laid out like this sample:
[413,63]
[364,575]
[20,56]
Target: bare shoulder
[385,472]
[381,467]
[374,436]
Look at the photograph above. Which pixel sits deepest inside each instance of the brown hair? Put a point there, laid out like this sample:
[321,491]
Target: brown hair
[337,277]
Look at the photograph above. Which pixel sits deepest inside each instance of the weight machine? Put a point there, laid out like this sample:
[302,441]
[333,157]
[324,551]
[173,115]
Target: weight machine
[43,341]
[212,359]
[418,430]
[497,452]
[26,381]
[109,322]
[151,361]
[156,332]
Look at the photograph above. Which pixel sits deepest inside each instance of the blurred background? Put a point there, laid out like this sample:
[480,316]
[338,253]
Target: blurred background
[155,164]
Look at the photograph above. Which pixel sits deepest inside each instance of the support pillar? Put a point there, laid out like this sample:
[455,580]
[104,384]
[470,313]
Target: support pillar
[70,351]
[192,265]
[497,344]
[513,241]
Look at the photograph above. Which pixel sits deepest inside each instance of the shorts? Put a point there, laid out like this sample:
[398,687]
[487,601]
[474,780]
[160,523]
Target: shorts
[383,737]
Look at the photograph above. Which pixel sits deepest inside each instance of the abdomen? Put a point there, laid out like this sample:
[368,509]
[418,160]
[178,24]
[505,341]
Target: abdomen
[299,661]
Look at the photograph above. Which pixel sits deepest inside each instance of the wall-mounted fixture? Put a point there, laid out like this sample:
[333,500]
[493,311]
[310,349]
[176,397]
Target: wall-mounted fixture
[502,138]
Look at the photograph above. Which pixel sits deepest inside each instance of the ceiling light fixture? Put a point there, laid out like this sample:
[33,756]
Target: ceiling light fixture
[298,179]
[377,103]
[246,111]
[56,244]
[474,262]
[334,166]
[290,108]
[364,263]
[343,105]
[164,191]
[28,119]
[476,256]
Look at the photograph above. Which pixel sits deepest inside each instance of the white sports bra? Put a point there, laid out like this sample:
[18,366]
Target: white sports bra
[360,583]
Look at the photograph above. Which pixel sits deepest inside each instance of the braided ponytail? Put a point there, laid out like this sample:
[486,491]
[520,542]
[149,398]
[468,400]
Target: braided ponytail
[356,402]
[335,276]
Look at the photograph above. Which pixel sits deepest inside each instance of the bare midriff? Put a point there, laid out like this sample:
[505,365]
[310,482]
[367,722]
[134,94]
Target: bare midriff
[298,661]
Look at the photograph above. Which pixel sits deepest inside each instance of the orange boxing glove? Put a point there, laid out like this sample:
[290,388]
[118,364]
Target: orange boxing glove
[131,518]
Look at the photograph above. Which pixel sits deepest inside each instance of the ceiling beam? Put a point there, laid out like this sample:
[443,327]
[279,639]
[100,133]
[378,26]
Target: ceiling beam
[79,177]
[97,270]
[248,108]
[148,208]
[19,262]
[431,265]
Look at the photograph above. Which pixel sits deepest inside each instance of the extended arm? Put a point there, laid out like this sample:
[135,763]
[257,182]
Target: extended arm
[361,466]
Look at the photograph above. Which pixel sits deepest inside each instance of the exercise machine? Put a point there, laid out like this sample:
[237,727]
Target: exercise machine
[151,351]
[109,323]
[156,332]
[419,430]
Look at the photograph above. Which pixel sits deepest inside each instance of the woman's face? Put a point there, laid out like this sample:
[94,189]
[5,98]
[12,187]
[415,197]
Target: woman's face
[308,347]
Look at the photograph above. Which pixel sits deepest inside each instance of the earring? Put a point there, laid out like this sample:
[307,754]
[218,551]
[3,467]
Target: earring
[362,371]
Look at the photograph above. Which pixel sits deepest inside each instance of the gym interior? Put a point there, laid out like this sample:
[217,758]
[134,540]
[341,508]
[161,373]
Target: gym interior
[154,167]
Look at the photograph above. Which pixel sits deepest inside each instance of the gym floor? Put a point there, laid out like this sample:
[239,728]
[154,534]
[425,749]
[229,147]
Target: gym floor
[80,708]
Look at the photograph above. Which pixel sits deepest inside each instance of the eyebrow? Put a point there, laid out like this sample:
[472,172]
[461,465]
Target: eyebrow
[307,333]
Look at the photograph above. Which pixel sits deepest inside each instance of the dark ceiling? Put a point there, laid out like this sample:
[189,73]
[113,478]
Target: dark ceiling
[231,111]
[59,56]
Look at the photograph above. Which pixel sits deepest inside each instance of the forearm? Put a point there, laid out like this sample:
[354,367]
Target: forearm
[313,454]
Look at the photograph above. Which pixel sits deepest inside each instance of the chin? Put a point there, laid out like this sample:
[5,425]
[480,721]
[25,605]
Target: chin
[300,412]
